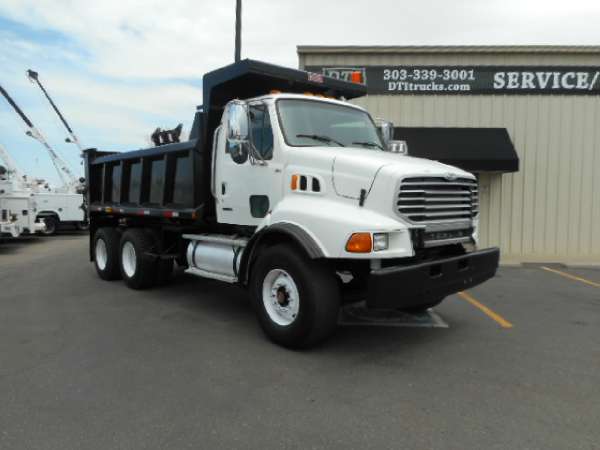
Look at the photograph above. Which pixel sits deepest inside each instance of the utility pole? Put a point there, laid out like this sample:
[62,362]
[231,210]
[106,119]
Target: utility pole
[238,30]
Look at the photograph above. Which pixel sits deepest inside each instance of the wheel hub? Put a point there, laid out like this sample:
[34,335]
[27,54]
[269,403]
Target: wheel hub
[128,259]
[101,254]
[281,298]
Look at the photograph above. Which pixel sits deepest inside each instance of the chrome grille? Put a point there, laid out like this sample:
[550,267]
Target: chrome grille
[436,199]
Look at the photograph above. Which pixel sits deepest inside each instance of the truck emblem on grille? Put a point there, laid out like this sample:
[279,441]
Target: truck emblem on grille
[450,176]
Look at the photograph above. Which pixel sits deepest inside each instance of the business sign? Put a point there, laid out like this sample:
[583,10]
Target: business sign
[471,79]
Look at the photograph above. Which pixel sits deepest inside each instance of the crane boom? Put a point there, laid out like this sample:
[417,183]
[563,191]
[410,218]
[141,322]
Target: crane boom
[11,165]
[66,175]
[34,78]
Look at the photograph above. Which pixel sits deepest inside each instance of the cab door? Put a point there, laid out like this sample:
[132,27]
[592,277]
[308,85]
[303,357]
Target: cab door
[248,174]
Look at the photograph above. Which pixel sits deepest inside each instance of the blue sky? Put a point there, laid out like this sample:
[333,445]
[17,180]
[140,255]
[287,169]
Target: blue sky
[106,110]
[120,68]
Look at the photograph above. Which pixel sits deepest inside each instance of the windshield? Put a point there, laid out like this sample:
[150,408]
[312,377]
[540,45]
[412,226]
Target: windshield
[310,123]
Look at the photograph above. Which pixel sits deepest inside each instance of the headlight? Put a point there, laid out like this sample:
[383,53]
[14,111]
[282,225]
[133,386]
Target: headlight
[381,241]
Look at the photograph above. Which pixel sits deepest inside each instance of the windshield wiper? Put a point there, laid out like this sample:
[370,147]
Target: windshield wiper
[369,144]
[320,138]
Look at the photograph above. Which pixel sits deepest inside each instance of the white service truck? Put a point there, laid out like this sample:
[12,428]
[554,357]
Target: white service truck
[38,202]
[57,209]
[54,206]
[290,191]
[17,208]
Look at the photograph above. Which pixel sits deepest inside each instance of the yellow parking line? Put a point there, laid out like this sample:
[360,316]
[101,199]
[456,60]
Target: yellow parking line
[571,277]
[487,311]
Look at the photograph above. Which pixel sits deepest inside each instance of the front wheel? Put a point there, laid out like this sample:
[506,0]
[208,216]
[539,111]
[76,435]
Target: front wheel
[296,299]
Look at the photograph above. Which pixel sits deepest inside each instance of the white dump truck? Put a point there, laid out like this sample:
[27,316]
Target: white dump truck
[291,192]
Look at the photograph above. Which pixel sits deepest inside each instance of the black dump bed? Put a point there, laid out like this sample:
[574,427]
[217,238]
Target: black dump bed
[173,180]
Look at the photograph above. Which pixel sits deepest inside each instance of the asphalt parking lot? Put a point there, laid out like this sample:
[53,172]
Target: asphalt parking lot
[90,364]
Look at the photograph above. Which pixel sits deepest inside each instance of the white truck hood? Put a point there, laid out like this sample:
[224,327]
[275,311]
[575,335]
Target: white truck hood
[355,169]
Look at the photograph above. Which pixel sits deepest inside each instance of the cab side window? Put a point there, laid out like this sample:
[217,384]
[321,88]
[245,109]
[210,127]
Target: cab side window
[260,128]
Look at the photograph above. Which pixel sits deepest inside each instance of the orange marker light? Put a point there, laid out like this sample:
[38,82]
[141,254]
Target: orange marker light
[359,243]
[275,91]
[356,77]
[294,185]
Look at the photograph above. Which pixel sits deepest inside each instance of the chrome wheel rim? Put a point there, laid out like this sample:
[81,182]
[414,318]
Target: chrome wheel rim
[128,259]
[101,254]
[280,297]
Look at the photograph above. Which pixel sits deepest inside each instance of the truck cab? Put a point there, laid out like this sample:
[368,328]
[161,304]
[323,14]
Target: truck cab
[322,165]
[290,191]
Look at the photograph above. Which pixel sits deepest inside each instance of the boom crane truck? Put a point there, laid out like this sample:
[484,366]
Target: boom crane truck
[286,189]
[55,207]
[18,205]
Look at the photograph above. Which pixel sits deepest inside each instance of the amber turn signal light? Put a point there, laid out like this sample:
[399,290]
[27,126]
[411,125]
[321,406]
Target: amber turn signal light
[359,243]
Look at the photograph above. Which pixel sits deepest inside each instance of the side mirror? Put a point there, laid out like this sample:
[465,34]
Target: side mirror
[238,127]
[386,129]
[398,147]
[237,122]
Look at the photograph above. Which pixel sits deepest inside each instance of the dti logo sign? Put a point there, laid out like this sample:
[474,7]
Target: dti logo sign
[345,73]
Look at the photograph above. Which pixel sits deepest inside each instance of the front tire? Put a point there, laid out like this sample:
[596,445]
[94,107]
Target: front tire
[296,299]
[138,269]
[106,253]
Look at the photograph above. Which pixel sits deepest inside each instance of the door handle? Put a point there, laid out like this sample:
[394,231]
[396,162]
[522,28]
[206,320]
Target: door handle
[223,188]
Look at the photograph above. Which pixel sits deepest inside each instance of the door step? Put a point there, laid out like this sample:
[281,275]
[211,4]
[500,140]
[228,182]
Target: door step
[211,275]
[234,241]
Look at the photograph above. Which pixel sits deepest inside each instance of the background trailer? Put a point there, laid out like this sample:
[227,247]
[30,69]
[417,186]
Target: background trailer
[540,204]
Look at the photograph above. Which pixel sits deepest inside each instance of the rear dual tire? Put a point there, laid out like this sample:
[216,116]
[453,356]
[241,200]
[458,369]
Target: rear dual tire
[106,253]
[52,224]
[138,269]
[82,226]
[128,256]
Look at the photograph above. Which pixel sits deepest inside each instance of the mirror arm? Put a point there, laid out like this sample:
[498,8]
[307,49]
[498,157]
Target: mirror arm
[255,156]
